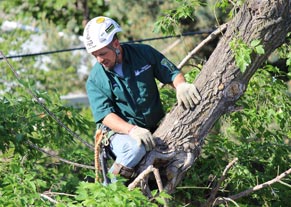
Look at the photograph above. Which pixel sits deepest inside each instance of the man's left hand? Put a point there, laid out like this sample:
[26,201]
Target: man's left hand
[188,95]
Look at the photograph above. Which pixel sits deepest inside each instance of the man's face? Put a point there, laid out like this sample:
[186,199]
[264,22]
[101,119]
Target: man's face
[105,57]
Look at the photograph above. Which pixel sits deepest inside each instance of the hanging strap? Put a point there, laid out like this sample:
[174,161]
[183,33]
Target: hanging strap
[98,140]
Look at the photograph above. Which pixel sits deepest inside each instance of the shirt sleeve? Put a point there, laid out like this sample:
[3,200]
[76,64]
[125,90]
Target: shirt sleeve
[165,71]
[100,101]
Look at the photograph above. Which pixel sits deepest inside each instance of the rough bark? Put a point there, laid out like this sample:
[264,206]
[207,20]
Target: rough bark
[181,135]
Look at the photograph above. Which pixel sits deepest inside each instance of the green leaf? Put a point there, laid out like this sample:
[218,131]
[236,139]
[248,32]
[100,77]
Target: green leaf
[288,61]
[19,137]
[255,43]
[160,200]
[259,50]
[242,64]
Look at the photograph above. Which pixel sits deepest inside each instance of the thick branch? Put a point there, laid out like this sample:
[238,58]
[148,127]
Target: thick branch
[221,83]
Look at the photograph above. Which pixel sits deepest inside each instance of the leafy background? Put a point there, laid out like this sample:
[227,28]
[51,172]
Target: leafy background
[258,134]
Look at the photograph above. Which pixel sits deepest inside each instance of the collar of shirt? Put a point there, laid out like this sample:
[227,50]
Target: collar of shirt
[118,70]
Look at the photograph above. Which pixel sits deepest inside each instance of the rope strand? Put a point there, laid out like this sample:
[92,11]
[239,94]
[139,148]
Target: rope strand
[98,139]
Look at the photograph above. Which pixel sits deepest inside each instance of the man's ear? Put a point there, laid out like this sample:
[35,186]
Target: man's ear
[116,43]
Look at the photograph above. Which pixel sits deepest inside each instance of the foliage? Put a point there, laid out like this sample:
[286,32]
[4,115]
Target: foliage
[262,138]
[20,185]
[170,21]
[242,52]
[115,194]
[134,17]
[61,12]
[259,135]
[284,52]
[229,7]
[70,64]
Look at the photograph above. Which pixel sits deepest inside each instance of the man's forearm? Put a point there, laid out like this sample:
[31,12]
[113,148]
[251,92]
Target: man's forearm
[117,124]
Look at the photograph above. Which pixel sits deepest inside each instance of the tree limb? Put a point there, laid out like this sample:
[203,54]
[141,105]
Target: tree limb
[251,190]
[48,198]
[174,44]
[142,176]
[201,44]
[222,178]
[59,158]
[221,83]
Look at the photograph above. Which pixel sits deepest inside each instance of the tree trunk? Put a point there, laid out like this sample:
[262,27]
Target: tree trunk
[181,134]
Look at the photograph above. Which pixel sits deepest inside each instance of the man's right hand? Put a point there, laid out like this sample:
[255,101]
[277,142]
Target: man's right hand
[142,135]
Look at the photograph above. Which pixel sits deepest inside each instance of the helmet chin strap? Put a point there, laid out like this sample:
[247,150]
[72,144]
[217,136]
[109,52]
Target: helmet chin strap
[117,52]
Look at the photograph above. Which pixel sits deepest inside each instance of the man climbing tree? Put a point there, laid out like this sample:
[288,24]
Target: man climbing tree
[123,94]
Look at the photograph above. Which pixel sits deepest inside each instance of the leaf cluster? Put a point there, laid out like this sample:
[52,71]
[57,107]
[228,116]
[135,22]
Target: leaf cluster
[243,52]
[60,12]
[114,195]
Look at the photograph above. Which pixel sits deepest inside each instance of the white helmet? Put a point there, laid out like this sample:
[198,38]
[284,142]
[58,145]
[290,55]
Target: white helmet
[99,32]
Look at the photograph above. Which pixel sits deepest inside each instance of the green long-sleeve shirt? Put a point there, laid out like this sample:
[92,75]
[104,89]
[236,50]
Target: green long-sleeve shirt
[135,96]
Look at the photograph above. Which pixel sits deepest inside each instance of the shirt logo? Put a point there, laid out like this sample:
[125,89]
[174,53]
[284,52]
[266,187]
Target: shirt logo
[142,69]
[165,62]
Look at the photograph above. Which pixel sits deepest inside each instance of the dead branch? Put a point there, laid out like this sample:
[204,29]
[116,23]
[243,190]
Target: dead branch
[142,179]
[59,158]
[201,44]
[50,193]
[144,176]
[251,190]
[222,178]
[48,198]
[174,44]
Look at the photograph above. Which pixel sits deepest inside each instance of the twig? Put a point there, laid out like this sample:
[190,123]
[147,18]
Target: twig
[160,184]
[171,46]
[57,193]
[256,188]
[222,178]
[158,179]
[283,183]
[144,174]
[48,198]
[228,199]
[59,158]
[201,44]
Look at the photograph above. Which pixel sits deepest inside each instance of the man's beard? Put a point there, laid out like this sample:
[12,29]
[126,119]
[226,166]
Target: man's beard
[111,68]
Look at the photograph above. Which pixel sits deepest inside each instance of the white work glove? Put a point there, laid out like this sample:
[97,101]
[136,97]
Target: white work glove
[187,94]
[142,135]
